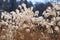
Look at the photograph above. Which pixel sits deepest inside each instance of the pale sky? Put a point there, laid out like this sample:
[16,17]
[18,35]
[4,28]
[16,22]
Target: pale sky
[34,1]
[43,1]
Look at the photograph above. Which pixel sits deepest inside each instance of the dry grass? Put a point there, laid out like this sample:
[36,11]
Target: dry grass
[23,25]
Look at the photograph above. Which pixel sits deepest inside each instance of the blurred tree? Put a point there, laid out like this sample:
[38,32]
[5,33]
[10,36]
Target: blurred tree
[41,7]
[48,4]
[13,4]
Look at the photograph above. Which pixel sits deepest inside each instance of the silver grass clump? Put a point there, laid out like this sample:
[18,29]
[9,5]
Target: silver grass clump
[12,21]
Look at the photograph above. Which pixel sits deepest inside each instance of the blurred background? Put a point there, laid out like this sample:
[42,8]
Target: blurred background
[11,5]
